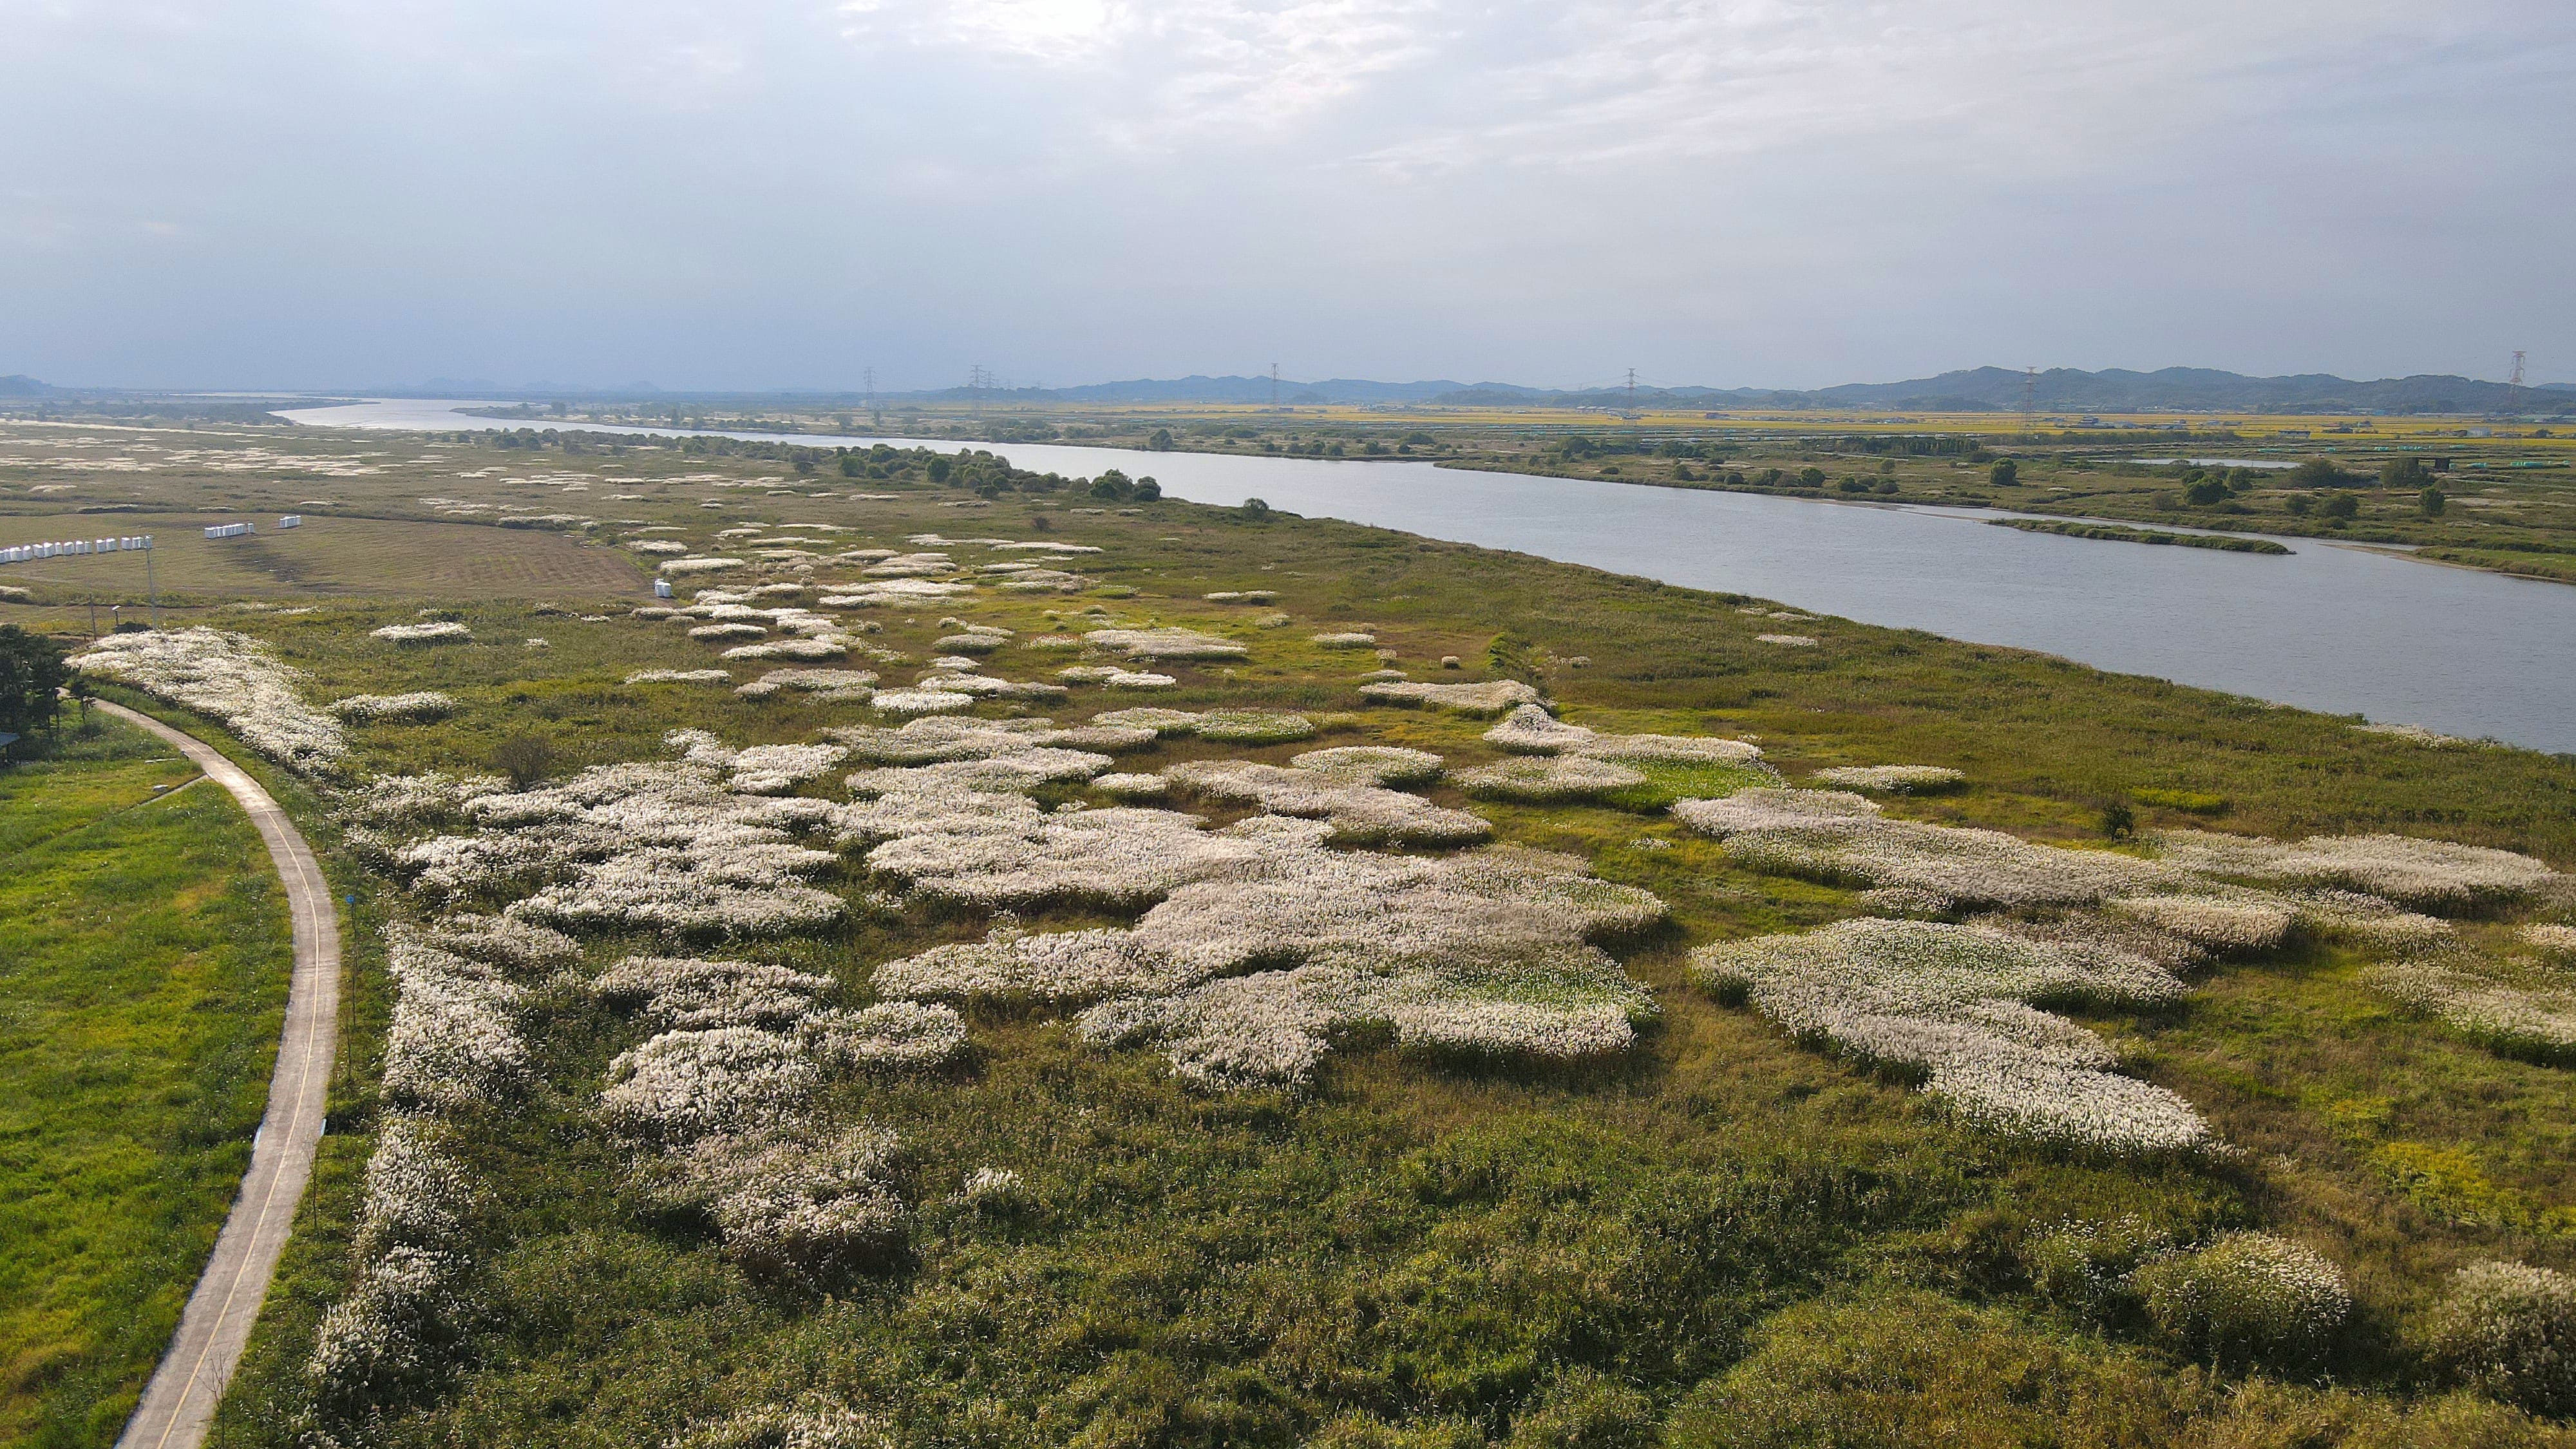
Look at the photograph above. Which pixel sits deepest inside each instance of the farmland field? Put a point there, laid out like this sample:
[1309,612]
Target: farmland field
[140,994]
[327,556]
[1347,1060]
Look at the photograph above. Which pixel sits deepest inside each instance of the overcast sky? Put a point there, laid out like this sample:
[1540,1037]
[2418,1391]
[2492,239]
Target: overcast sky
[762,194]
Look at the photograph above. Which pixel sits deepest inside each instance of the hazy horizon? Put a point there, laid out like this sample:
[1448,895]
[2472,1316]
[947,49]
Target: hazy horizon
[1766,194]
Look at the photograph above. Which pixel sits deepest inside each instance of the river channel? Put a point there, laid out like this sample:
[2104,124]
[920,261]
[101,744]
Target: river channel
[2335,628]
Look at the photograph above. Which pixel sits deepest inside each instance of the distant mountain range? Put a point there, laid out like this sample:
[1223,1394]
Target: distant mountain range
[2058,390]
[1981,389]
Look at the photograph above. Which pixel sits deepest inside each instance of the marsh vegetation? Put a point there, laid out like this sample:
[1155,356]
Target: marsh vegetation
[1109,981]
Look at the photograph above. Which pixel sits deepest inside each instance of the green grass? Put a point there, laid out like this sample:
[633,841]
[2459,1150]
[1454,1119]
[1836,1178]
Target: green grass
[140,998]
[1428,1250]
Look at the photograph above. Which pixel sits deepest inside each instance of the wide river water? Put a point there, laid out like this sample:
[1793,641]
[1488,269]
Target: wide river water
[2340,629]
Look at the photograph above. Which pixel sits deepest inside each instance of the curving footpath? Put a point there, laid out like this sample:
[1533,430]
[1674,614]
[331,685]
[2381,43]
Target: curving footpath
[178,1405]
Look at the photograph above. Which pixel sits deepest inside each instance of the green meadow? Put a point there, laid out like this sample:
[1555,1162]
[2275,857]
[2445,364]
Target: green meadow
[141,991]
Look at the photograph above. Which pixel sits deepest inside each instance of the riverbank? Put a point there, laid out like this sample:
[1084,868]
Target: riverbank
[2507,504]
[2414,645]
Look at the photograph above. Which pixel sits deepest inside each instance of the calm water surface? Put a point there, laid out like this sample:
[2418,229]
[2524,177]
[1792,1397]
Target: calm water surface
[2331,628]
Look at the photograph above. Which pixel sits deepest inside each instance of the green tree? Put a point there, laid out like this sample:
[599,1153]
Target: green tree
[2405,475]
[31,671]
[2005,474]
[1161,441]
[2320,473]
[2432,501]
[2342,505]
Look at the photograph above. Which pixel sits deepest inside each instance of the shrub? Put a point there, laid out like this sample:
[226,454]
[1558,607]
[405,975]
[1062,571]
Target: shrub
[2085,1268]
[524,758]
[2510,1330]
[1585,1410]
[2248,1298]
[2005,474]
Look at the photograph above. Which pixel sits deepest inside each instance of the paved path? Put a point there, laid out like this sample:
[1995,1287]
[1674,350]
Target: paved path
[178,1405]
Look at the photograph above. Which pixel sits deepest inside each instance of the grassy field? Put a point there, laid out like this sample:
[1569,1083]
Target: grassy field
[327,557]
[1718,1236]
[140,997]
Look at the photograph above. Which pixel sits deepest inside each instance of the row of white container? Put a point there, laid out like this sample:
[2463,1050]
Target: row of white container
[68,548]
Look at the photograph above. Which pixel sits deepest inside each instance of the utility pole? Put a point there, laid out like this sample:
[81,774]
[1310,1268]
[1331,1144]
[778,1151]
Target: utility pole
[2513,386]
[871,375]
[1632,392]
[1274,387]
[149,586]
[2029,400]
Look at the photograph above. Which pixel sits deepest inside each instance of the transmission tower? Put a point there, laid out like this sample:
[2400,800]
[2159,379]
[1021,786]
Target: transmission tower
[871,376]
[2513,386]
[2030,399]
[1274,387]
[1632,392]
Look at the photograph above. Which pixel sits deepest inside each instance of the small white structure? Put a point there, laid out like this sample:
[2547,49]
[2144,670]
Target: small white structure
[661,588]
[73,548]
[292,520]
[227,530]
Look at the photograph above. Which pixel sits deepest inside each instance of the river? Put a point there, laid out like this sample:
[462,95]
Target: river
[2340,629]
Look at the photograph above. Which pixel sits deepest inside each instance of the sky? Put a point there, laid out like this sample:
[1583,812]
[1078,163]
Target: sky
[1795,193]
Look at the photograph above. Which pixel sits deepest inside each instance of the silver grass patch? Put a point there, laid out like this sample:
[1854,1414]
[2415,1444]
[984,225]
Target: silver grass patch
[835,684]
[419,707]
[1550,779]
[1530,730]
[1491,697]
[2215,923]
[1359,810]
[933,741]
[686,991]
[1243,979]
[1889,779]
[230,677]
[794,1197]
[2431,874]
[1166,643]
[662,846]
[452,1042]
[1960,1004]
[437,631]
[1841,838]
